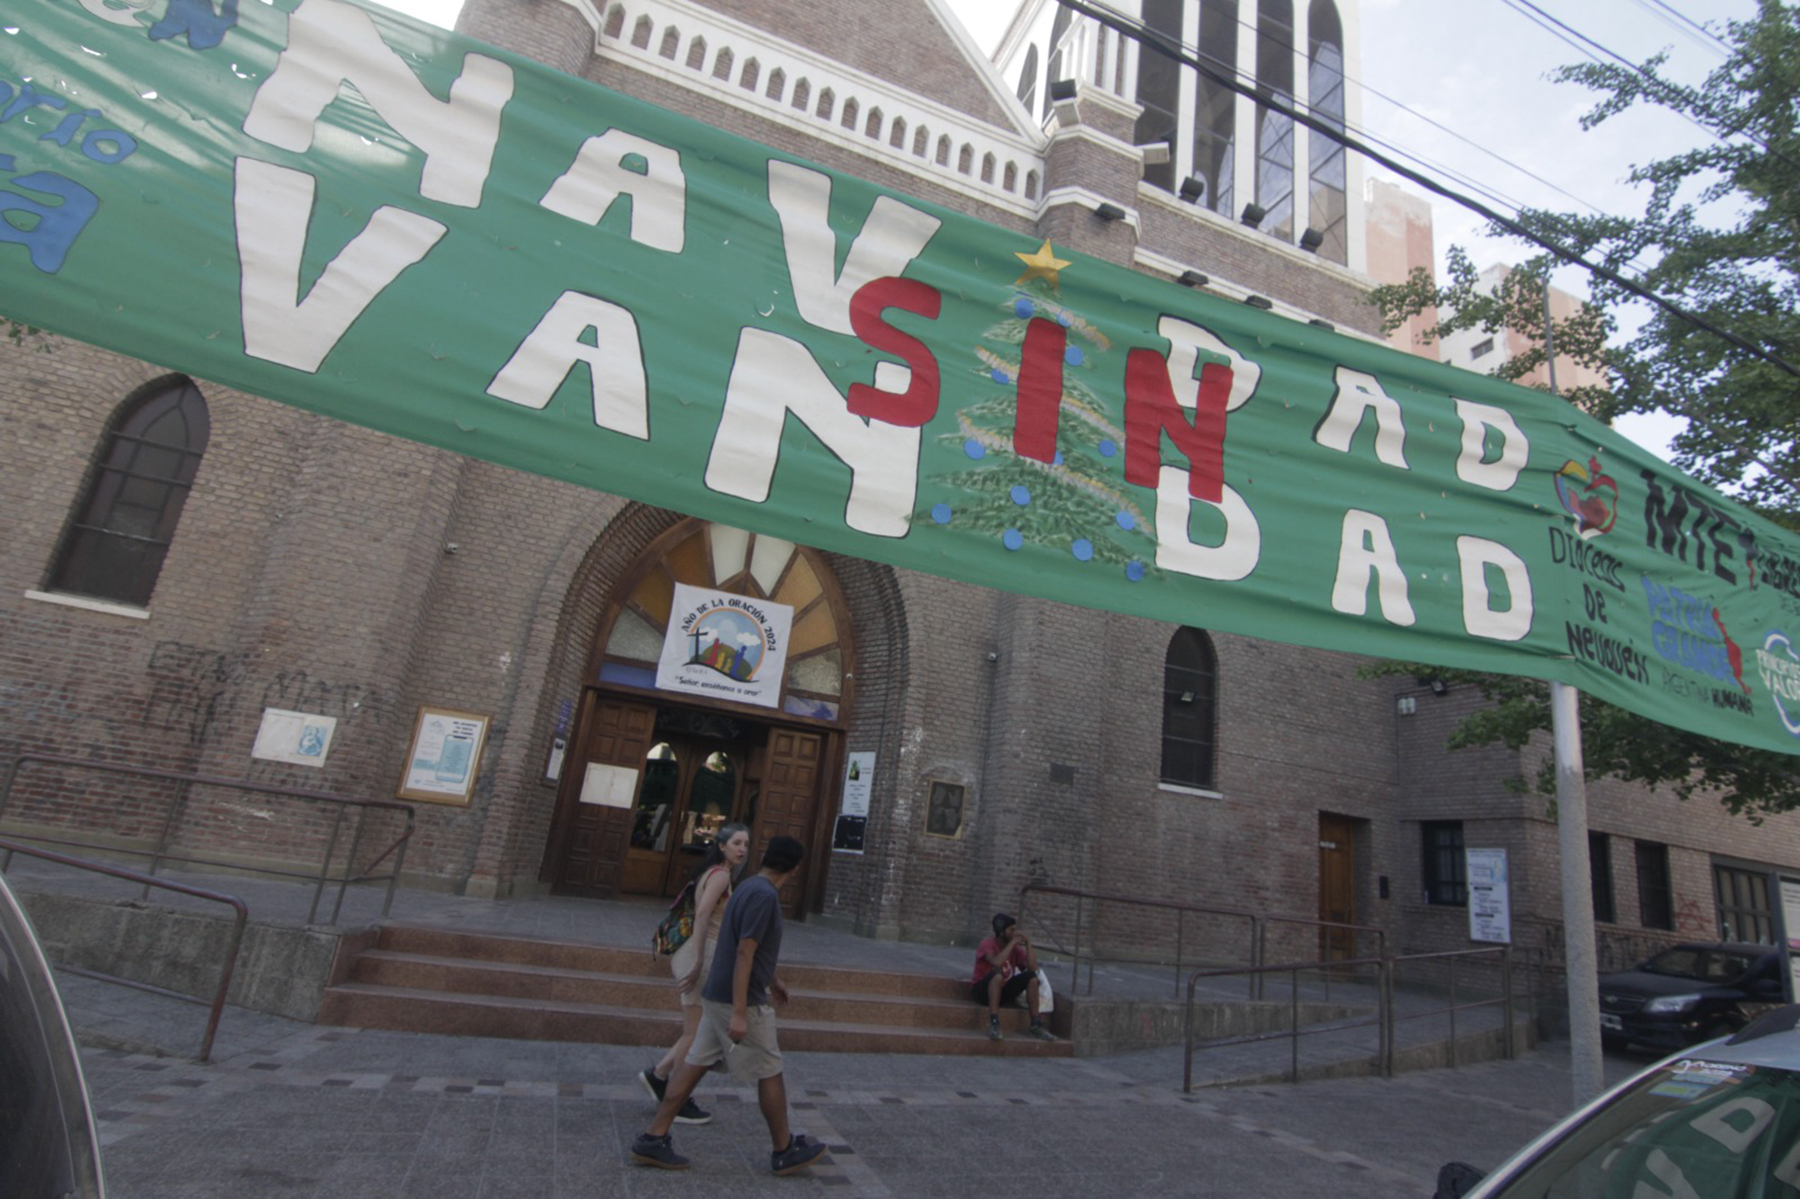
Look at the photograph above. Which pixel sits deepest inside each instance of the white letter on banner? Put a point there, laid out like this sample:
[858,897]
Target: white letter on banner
[1358,393]
[1185,341]
[274,205]
[1232,559]
[1479,617]
[1365,546]
[891,238]
[599,177]
[775,375]
[331,42]
[1503,472]
[615,362]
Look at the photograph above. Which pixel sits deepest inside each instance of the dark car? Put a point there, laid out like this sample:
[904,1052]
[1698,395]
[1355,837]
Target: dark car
[1690,993]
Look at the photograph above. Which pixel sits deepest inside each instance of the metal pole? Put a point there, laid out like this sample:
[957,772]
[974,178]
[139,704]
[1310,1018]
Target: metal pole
[1581,969]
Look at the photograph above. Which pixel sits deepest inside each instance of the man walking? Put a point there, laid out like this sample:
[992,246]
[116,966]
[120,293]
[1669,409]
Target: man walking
[737,1025]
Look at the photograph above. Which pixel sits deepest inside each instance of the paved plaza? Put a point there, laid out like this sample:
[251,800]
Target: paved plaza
[289,1109]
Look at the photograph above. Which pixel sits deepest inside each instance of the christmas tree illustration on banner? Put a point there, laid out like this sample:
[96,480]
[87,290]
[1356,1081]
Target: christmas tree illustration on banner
[1037,357]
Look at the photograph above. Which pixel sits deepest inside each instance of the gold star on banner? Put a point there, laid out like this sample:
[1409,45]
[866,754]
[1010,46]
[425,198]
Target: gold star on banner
[1041,265]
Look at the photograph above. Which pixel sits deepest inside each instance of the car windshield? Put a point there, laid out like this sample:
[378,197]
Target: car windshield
[1699,964]
[1689,1128]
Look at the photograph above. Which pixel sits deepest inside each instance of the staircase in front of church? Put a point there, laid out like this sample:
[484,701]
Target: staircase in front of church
[417,979]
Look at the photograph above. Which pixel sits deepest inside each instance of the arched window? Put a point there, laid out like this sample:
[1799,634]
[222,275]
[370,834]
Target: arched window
[1159,88]
[1028,79]
[1190,710]
[1274,131]
[1215,107]
[1326,207]
[126,518]
[1059,62]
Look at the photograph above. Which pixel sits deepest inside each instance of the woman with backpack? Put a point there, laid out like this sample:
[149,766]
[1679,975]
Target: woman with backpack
[711,888]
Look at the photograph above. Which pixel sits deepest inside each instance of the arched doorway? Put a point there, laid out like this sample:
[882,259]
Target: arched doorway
[652,774]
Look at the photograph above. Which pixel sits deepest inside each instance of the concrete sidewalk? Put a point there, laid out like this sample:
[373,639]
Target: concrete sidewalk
[289,1109]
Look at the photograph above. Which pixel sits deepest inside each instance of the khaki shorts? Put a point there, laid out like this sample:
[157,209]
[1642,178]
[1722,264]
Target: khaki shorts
[753,1059]
[683,961]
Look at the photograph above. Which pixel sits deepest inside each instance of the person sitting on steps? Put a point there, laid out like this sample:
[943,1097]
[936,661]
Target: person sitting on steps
[1006,967]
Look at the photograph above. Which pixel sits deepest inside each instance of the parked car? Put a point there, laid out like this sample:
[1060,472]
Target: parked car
[1722,1119]
[48,1143]
[1690,993]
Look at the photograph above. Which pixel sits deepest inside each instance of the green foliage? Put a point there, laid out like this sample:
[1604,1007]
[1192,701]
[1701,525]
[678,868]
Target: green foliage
[1719,236]
[1618,744]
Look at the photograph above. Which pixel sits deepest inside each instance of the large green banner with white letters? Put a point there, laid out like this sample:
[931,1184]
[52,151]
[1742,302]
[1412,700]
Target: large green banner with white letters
[385,223]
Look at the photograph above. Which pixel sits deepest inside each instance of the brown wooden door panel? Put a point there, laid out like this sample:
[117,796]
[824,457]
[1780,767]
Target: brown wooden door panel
[618,734]
[1337,885]
[790,792]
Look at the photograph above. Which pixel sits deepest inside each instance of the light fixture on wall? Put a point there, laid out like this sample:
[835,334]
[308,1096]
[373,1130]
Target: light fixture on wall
[1311,240]
[1262,302]
[1192,279]
[1109,212]
[1253,214]
[1318,322]
[1062,102]
[1192,188]
[1155,154]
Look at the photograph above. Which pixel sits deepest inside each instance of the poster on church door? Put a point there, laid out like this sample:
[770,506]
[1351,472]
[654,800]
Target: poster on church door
[723,646]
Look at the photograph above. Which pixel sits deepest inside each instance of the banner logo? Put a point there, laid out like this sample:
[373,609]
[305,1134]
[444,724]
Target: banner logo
[725,646]
[1780,669]
[1588,495]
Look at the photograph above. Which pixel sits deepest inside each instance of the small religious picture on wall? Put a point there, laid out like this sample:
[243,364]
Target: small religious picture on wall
[444,756]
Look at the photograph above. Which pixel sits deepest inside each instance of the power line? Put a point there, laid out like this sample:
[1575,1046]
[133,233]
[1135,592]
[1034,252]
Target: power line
[1160,44]
[1686,23]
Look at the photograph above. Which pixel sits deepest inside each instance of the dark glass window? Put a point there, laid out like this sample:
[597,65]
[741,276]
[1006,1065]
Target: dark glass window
[1745,913]
[1600,877]
[1190,710]
[1215,106]
[1274,130]
[1159,88]
[1656,897]
[1327,209]
[1446,870]
[1028,79]
[1060,67]
[115,545]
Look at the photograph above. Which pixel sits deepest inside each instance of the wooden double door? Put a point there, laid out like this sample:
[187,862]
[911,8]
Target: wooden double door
[646,788]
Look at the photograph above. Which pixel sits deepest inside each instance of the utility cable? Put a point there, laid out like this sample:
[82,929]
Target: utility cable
[1160,44]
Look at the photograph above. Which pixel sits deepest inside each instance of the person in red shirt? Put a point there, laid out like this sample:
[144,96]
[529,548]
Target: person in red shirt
[1006,967]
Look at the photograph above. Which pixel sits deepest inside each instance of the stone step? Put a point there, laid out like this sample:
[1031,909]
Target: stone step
[655,994]
[361,1005]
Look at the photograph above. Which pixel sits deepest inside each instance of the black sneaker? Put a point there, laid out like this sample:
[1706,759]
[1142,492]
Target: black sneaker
[994,1028]
[801,1152]
[657,1151]
[1041,1031]
[656,1086]
[692,1113]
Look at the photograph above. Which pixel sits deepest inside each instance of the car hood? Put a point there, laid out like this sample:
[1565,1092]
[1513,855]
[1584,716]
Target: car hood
[1639,982]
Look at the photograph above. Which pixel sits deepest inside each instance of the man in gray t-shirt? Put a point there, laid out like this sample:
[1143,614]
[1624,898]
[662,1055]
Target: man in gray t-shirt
[737,1025]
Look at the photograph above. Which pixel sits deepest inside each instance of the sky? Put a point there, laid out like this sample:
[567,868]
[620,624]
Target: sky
[1462,85]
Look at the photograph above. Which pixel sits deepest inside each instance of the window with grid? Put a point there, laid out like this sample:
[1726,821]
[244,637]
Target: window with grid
[1190,710]
[1446,869]
[1600,877]
[1745,912]
[1656,897]
[125,519]
[1326,204]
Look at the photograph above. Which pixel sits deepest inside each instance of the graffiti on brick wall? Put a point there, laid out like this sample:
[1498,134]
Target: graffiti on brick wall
[1539,947]
[1691,920]
[298,691]
[192,688]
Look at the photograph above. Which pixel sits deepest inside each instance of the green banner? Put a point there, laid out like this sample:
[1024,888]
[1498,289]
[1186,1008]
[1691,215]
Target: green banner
[346,211]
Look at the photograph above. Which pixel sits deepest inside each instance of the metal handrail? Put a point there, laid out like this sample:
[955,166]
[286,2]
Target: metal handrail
[1258,923]
[159,855]
[240,917]
[1385,1018]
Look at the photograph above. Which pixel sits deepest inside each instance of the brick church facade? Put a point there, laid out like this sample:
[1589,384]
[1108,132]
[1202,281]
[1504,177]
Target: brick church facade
[281,561]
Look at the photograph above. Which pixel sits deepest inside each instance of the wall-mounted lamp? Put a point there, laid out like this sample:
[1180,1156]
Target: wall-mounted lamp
[451,547]
[1155,154]
[1192,279]
[1311,240]
[1109,212]
[1439,687]
[1253,214]
[1186,697]
[1262,302]
[1321,323]
[1062,102]
[1192,188]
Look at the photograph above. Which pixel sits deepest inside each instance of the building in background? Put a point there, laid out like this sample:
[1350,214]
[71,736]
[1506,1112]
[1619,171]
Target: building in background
[1400,242]
[1478,350]
[187,567]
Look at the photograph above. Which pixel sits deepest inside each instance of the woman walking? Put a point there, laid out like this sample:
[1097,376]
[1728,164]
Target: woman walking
[712,887]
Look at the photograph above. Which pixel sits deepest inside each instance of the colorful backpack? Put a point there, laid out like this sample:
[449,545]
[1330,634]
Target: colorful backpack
[678,925]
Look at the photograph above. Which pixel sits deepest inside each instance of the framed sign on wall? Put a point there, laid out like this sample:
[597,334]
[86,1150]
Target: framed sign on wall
[443,756]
